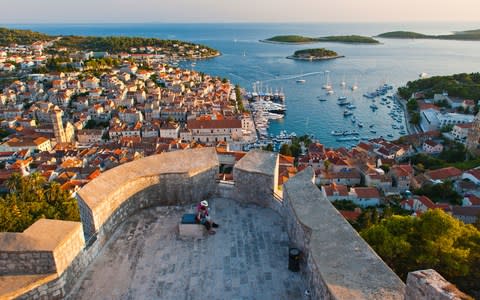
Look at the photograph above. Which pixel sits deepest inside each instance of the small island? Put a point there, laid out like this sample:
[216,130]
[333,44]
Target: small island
[469,35]
[315,54]
[298,39]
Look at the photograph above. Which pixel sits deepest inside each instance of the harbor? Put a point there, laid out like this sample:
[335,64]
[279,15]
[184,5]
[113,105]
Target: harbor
[268,106]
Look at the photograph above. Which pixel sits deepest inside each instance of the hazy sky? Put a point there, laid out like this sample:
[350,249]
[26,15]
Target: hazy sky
[54,11]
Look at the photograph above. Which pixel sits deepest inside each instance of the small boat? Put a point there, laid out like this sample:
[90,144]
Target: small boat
[402,132]
[341,98]
[373,106]
[336,133]
[330,92]
[360,124]
[373,131]
[347,113]
[390,135]
[342,103]
[301,81]
[371,125]
[322,99]
[351,106]
[353,119]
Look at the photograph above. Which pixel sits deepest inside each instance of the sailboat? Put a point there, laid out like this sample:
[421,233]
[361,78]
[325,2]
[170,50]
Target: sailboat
[327,85]
[355,85]
[343,83]
[244,53]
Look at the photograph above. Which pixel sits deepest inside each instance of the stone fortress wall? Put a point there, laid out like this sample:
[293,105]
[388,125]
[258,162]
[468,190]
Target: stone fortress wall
[47,259]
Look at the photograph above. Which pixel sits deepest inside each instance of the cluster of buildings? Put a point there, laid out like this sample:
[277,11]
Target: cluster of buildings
[69,126]
[371,172]
[465,126]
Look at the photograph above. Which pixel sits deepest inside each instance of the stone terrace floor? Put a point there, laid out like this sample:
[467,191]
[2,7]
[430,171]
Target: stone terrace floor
[146,259]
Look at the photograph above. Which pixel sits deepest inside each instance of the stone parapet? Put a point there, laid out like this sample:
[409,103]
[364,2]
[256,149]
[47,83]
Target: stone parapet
[428,284]
[48,246]
[174,178]
[256,178]
[337,262]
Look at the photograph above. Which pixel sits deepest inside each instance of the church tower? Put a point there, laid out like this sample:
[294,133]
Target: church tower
[473,138]
[58,126]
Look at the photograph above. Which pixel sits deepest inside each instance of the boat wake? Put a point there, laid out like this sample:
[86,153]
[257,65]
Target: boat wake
[294,76]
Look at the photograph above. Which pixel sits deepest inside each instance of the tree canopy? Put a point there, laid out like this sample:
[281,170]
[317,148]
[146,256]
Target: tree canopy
[433,240]
[459,85]
[318,52]
[19,36]
[32,198]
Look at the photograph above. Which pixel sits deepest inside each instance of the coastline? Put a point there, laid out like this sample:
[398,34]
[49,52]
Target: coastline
[315,58]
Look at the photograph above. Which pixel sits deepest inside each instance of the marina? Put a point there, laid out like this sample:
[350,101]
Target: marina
[268,106]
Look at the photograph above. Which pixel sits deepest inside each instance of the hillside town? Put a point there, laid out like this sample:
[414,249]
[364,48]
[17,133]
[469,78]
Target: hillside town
[72,125]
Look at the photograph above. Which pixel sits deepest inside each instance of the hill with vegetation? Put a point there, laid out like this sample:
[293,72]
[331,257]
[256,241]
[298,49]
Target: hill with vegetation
[18,36]
[468,35]
[298,39]
[402,35]
[458,85]
[94,43]
[120,44]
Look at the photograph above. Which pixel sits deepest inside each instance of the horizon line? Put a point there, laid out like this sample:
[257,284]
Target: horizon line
[238,22]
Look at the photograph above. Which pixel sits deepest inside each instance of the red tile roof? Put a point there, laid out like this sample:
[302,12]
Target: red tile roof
[211,124]
[431,143]
[444,173]
[366,192]
[473,199]
[342,190]
[475,173]
[350,215]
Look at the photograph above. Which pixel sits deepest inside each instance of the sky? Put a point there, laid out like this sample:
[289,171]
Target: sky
[212,11]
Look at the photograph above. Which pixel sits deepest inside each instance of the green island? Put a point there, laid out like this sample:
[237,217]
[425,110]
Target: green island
[468,35]
[108,43]
[314,54]
[298,39]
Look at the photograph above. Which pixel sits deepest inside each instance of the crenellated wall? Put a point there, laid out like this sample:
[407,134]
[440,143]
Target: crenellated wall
[47,258]
[174,178]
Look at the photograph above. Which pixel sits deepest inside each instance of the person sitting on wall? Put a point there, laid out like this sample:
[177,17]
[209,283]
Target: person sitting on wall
[202,217]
